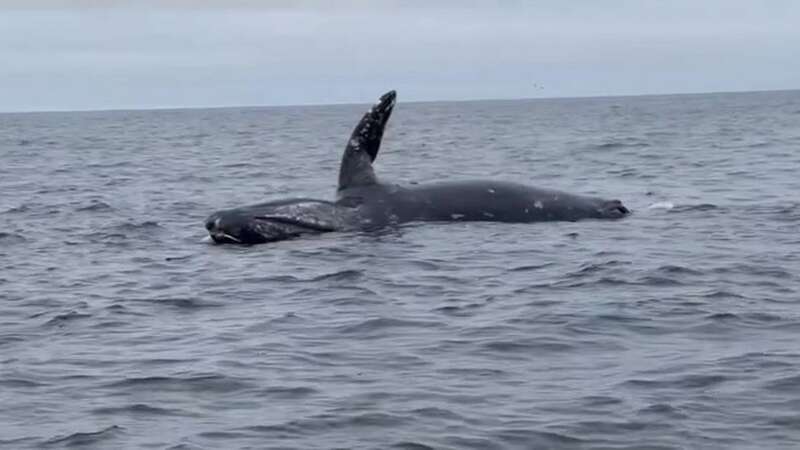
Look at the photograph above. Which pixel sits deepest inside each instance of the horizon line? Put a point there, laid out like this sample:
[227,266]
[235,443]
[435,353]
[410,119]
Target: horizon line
[354,103]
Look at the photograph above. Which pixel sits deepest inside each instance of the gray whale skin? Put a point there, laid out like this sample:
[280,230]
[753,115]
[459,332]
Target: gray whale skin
[364,203]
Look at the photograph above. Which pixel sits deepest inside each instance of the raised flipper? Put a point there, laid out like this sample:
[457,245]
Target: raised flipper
[364,143]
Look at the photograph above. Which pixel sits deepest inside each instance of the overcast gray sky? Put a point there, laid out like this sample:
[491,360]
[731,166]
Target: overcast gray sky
[70,55]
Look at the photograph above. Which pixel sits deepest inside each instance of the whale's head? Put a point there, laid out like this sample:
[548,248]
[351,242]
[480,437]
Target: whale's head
[612,209]
[271,222]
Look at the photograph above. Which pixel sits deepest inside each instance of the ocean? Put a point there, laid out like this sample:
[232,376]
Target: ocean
[677,327]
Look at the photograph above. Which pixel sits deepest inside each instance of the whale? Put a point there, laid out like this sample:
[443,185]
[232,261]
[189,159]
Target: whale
[363,202]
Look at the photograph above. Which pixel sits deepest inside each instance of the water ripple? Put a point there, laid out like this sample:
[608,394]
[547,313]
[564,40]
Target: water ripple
[84,439]
[684,382]
[198,383]
[379,324]
[138,409]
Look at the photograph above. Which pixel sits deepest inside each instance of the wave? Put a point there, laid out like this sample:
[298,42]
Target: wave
[696,207]
[753,269]
[286,392]
[788,384]
[676,269]
[139,409]
[18,209]
[628,142]
[465,310]
[528,346]
[719,293]
[180,302]
[63,319]
[324,422]
[96,206]
[11,238]
[198,383]
[590,268]
[409,445]
[86,439]
[785,213]
[692,381]
[147,225]
[663,409]
[528,438]
[662,205]
[342,275]
[385,323]
[745,318]
[531,267]
[19,383]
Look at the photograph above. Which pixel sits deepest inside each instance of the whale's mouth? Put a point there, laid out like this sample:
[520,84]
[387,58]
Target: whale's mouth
[614,209]
[224,238]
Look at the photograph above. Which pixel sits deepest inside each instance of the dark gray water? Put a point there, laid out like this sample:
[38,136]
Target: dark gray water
[675,328]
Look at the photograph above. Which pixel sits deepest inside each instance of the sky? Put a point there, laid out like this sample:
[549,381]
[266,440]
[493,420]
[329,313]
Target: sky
[107,54]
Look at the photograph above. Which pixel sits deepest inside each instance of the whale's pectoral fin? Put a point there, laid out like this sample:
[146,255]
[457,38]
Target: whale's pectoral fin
[364,143]
[277,227]
[309,223]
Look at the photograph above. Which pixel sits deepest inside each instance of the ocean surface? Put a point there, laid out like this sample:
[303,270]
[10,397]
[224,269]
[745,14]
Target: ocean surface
[675,328]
